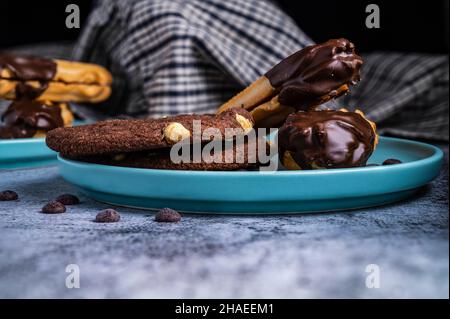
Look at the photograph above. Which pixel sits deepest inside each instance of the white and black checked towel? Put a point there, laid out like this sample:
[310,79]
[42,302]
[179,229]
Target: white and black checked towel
[183,56]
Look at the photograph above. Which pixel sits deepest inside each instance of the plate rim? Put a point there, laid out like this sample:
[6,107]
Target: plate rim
[437,156]
[31,140]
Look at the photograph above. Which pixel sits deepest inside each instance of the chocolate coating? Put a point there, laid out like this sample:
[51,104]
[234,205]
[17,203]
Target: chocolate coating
[306,77]
[28,92]
[23,118]
[327,139]
[28,68]
[19,131]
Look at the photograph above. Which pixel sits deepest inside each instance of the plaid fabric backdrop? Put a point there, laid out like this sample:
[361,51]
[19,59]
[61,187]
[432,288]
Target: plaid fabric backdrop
[184,56]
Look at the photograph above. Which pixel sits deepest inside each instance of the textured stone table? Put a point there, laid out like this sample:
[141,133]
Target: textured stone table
[314,255]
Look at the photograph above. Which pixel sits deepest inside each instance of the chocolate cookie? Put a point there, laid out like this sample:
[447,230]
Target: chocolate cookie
[227,158]
[124,136]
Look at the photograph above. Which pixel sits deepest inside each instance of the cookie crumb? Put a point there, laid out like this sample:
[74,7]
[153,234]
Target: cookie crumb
[392,161]
[54,207]
[68,199]
[167,215]
[8,195]
[107,216]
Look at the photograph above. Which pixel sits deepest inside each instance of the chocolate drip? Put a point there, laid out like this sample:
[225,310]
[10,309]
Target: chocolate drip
[28,92]
[327,139]
[28,68]
[23,118]
[306,77]
[20,131]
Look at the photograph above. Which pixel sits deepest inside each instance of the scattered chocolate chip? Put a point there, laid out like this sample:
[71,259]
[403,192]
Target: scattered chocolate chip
[372,165]
[54,207]
[107,216]
[68,199]
[167,215]
[8,195]
[392,161]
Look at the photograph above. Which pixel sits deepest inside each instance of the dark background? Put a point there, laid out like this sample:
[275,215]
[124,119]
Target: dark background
[420,26]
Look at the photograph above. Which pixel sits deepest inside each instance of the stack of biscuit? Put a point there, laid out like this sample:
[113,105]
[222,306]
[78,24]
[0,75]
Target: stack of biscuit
[40,90]
[149,143]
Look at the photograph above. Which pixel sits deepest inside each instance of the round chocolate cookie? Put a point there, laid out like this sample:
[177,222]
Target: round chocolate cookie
[326,139]
[225,157]
[118,136]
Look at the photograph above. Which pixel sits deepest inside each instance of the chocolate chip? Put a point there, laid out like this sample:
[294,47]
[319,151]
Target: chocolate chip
[54,207]
[107,216]
[392,161]
[8,195]
[68,199]
[167,215]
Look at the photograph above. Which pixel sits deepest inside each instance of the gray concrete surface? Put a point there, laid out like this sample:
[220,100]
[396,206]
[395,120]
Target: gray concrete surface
[303,256]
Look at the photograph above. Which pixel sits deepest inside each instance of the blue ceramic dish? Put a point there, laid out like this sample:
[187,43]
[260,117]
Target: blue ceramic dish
[252,192]
[27,153]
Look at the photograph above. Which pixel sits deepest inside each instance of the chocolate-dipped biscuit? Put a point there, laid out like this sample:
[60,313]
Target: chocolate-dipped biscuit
[27,68]
[28,77]
[311,76]
[16,131]
[24,118]
[326,139]
[306,79]
[118,136]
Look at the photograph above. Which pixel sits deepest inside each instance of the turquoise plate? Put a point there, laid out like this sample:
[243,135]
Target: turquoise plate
[255,192]
[24,153]
[27,153]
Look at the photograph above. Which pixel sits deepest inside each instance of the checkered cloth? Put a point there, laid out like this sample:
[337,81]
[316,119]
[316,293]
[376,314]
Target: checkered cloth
[405,94]
[184,56]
